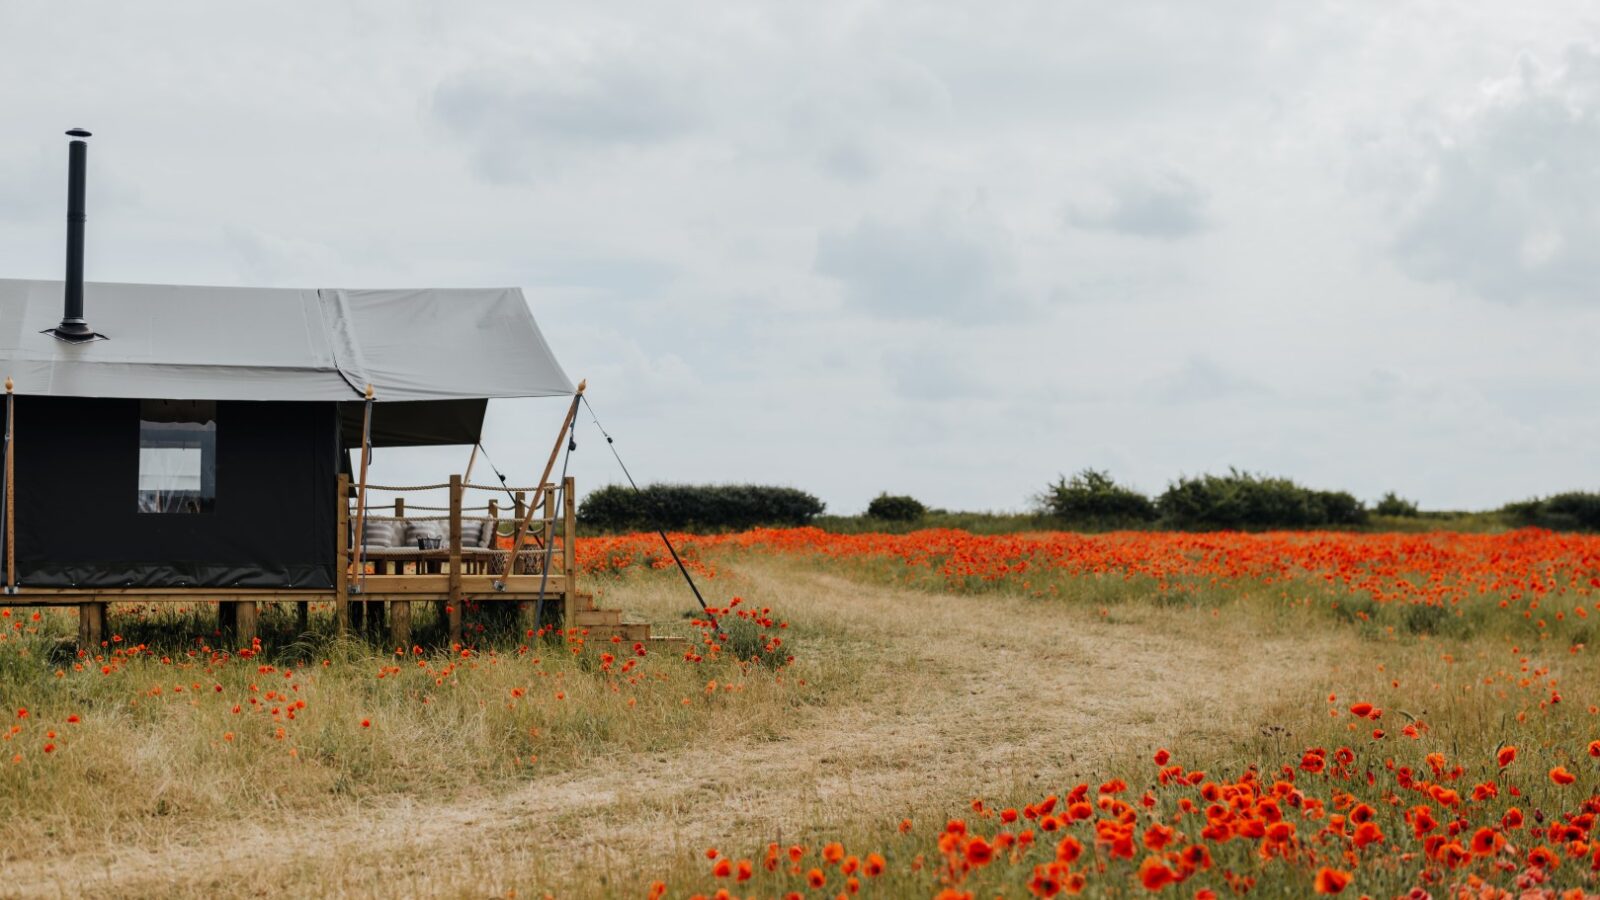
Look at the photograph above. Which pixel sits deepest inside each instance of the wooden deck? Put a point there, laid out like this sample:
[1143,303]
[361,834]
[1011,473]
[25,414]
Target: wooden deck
[376,589]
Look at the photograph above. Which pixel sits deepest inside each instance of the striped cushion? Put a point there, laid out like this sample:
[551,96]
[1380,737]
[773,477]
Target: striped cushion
[476,532]
[382,532]
[415,530]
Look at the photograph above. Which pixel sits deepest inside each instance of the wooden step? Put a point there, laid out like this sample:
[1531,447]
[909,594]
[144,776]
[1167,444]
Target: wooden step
[592,618]
[634,631]
[630,633]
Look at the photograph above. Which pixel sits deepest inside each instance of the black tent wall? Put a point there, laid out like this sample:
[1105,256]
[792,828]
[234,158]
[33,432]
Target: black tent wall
[78,524]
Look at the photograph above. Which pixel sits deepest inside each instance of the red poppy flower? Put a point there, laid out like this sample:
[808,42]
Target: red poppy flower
[1331,881]
[1154,874]
[1069,849]
[979,852]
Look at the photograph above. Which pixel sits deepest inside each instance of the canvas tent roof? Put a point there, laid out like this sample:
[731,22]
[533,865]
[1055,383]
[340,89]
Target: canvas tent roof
[228,343]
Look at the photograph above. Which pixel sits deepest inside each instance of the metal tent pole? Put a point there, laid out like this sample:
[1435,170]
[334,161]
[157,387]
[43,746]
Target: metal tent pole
[11,490]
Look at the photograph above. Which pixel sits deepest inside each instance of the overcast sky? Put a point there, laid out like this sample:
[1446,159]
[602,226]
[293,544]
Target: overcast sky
[949,250]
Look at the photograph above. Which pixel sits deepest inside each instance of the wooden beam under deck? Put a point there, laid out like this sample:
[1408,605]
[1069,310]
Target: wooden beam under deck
[439,585]
[379,587]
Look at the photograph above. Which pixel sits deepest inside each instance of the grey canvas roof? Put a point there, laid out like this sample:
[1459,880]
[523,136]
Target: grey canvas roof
[228,343]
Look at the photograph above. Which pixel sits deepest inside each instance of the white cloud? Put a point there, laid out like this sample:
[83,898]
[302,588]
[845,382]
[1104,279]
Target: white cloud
[525,115]
[952,264]
[1502,197]
[1167,207]
[751,227]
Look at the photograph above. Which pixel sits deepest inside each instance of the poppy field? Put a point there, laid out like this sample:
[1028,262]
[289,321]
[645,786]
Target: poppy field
[935,714]
[1482,783]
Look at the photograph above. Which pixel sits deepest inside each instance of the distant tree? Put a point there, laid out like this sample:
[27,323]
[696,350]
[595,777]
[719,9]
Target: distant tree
[1092,497]
[1393,504]
[1570,511]
[709,507]
[896,508]
[1242,500]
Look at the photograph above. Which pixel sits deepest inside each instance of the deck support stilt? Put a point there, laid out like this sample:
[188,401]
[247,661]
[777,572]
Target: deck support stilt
[246,623]
[341,567]
[454,533]
[400,624]
[91,626]
[569,543]
[302,617]
[228,616]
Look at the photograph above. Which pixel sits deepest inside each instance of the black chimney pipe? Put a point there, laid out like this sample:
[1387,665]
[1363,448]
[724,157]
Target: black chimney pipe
[73,327]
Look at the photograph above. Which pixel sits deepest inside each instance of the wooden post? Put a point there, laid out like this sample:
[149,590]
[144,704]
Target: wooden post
[400,623]
[455,559]
[549,466]
[569,541]
[361,494]
[549,530]
[302,617]
[91,626]
[399,507]
[341,570]
[11,489]
[246,623]
[519,504]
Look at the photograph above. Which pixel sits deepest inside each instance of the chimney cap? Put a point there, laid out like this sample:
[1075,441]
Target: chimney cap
[80,132]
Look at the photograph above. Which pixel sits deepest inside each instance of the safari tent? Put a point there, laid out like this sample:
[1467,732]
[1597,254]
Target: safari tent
[199,443]
[210,444]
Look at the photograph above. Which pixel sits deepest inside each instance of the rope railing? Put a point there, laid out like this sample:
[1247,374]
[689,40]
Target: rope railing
[446,485]
[445,508]
[373,518]
[389,517]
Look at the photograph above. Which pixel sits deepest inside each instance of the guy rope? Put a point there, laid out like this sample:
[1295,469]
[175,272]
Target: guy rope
[562,437]
[659,530]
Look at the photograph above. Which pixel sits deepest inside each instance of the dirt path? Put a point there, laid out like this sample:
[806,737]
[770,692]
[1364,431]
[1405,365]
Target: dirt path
[977,695]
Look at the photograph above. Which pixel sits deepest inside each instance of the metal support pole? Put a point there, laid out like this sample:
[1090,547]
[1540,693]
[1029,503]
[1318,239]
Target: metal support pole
[11,489]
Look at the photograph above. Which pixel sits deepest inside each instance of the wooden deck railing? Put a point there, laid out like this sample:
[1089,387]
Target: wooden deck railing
[540,569]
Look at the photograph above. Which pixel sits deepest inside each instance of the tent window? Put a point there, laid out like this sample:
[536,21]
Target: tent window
[177,456]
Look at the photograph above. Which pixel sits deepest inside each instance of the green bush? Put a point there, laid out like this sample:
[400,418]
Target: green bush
[894,508]
[1571,511]
[685,507]
[1242,500]
[1092,498]
[1393,504]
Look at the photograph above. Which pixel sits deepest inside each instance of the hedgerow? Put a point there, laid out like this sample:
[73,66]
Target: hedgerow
[696,507]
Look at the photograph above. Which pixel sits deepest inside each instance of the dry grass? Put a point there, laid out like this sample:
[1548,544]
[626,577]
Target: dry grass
[912,703]
[903,703]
